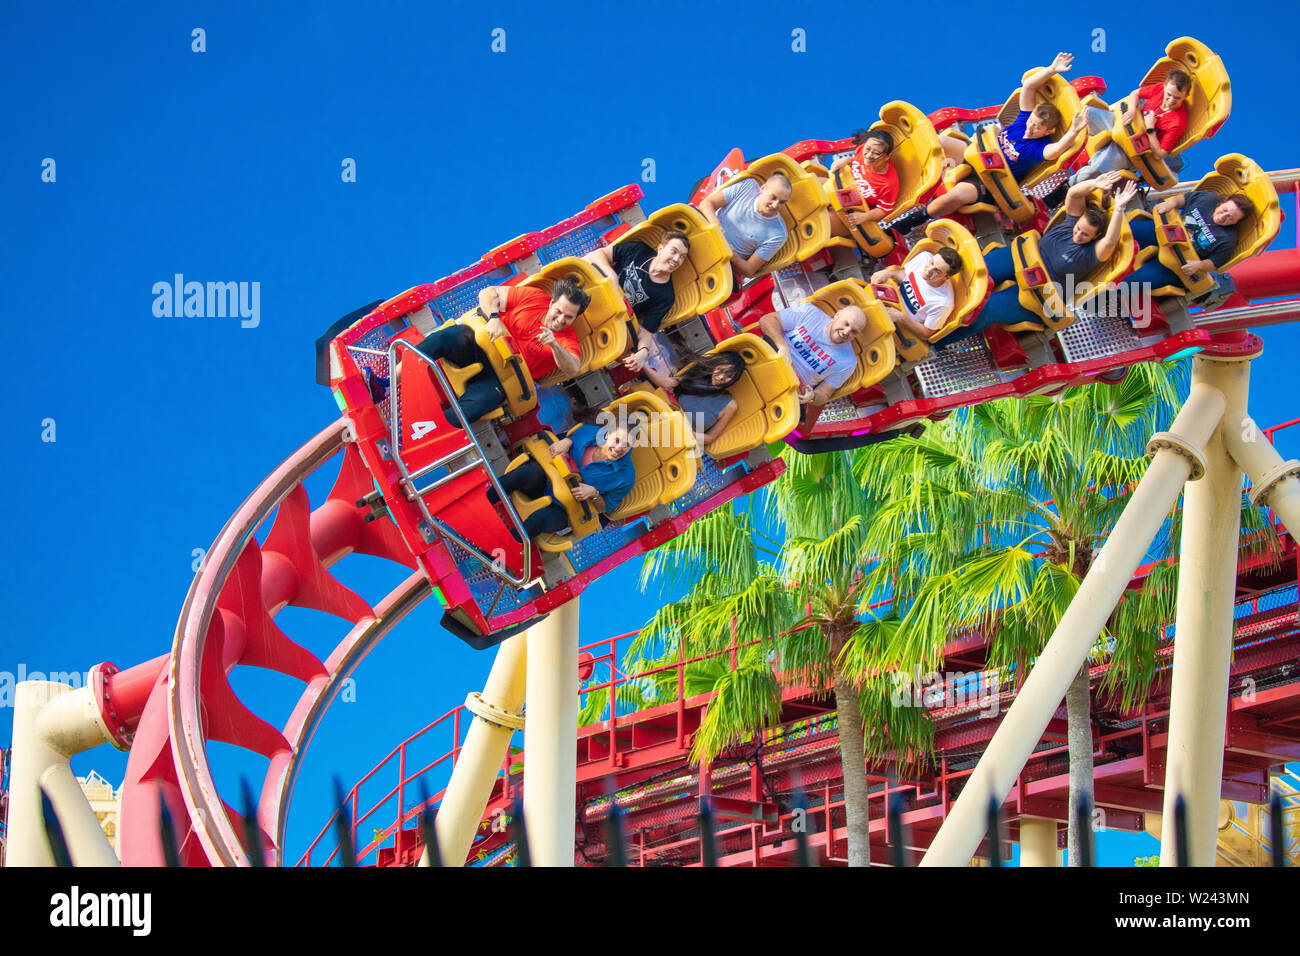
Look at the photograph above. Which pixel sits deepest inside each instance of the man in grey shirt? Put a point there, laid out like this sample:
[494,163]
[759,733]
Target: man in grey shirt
[750,217]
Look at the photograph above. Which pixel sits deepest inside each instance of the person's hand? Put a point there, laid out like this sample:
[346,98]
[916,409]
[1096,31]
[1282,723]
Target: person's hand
[855,218]
[1190,269]
[561,447]
[1125,195]
[584,492]
[1130,112]
[1162,207]
[805,394]
[672,381]
[1063,62]
[637,360]
[546,336]
[1107,181]
[1078,123]
[495,328]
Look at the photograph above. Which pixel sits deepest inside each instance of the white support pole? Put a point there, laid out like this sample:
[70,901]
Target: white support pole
[1176,457]
[1274,482]
[551,737]
[1207,573]
[498,713]
[1038,842]
[51,723]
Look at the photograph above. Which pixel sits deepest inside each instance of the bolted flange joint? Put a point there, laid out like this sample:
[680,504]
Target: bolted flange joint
[493,714]
[1259,493]
[1171,441]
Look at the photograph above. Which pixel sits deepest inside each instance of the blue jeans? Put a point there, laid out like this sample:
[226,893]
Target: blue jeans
[1110,157]
[1002,308]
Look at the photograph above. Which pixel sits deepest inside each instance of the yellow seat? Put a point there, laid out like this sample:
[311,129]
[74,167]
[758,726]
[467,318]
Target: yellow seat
[1233,174]
[806,216]
[1040,295]
[509,368]
[583,518]
[970,286]
[704,281]
[766,396]
[984,158]
[603,328]
[874,345]
[917,158]
[663,451]
[1208,103]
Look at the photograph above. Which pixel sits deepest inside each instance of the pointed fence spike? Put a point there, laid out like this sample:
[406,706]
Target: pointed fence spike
[428,828]
[343,827]
[708,840]
[897,839]
[994,837]
[252,832]
[1277,830]
[802,850]
[1181,849]
[1083,825]
[54,832]
[519,828]
[615,841]
[167,835]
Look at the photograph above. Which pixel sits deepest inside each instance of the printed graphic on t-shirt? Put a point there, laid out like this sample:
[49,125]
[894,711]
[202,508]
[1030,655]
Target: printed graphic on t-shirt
[813,354]
[912,296]
[1202,233]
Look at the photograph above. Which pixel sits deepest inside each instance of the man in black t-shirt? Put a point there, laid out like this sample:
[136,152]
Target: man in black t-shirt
[646,277]
[1212,225]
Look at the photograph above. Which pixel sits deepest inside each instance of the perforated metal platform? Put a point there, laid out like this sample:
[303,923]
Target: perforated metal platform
[458,301]
[1094,336]
[966,365]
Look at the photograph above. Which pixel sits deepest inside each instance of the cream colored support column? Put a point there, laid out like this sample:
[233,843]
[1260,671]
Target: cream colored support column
[1274,482]
[51,723]
[1038,842]
[551,737]
[1176,456]
[498,713]
[1207,574]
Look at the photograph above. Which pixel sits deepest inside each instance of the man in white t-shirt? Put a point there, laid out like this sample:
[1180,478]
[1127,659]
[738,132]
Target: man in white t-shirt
[925,292]
[819,347]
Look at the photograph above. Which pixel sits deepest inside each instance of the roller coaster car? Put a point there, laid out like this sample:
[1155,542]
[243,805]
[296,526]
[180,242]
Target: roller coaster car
[1233,173]
[766,395]
[704,281]
[806,216]
[970,286]
[1208,103]
[605,329]
[917,158]
[874,345]
[984,158]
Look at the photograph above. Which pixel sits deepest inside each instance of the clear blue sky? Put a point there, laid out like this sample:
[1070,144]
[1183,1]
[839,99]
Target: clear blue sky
[225,166]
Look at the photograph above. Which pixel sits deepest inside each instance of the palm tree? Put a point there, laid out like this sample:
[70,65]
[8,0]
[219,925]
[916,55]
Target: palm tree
[789,590]
[991,520]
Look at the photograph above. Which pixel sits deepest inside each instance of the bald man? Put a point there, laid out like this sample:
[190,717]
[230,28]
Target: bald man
[819,347]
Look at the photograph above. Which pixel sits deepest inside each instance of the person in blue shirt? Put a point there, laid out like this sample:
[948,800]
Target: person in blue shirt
[600,457]
[1025,144]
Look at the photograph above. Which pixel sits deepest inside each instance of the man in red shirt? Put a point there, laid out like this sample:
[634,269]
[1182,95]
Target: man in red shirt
[1164,110]
[541,330]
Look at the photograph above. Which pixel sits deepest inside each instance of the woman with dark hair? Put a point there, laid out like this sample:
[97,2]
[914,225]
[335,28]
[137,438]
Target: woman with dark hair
[700,387]
[874,177]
